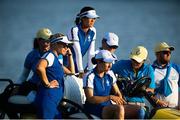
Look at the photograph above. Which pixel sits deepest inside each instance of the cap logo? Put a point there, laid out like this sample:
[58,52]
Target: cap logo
[138,52]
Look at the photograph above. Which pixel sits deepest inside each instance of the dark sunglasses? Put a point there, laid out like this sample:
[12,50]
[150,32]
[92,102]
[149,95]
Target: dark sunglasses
[166,52]
[64,45]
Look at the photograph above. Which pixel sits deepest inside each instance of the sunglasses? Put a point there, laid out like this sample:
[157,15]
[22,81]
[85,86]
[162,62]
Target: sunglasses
[64,45]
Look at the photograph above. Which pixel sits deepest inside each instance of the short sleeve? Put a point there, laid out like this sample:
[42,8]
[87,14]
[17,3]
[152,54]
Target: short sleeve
[111,73]
[49,57]
[88,81]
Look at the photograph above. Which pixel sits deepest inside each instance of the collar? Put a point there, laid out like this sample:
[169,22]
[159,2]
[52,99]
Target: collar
[156,65]
[95,72]
[80,27]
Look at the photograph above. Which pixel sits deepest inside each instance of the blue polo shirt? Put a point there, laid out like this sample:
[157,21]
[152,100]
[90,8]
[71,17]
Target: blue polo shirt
[124,69]
[47,99]
[101,86]
[30,63]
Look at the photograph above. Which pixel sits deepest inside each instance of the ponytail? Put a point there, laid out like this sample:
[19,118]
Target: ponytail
[77,20]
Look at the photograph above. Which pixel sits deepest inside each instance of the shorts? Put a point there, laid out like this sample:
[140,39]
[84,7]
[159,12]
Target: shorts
[96,109]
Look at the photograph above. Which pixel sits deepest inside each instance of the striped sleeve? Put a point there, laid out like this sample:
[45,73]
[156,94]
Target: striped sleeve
[111,73]
[88,80]
[49,57]
[73,34]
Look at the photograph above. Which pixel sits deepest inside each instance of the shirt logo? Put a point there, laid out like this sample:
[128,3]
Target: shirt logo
[107,83]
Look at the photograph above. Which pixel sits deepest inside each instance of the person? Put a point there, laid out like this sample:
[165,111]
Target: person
[134,69]
[83,36]
[166,77]
[97,84]
[50,70]
[41,44]
[69,69]
[110,43]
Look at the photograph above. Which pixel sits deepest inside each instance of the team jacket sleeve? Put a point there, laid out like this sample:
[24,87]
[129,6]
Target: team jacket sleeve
[78,54]
[91,53]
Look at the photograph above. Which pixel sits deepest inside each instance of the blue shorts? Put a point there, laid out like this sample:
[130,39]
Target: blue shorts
[96,109]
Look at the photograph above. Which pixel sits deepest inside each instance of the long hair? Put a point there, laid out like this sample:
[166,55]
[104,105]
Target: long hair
[35,43]
[84,9]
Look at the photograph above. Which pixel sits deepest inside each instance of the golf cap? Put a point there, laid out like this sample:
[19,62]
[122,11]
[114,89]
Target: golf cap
[44,33]
[139,54]
[111,39]
[163,46]
[104,55]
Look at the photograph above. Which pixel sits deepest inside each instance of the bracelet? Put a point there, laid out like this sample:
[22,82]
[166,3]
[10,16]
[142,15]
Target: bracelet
[48,85]
[157,101]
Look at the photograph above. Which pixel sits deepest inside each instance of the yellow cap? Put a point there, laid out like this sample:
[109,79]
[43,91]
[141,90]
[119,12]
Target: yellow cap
[163,47]
[139,54]
[44,33]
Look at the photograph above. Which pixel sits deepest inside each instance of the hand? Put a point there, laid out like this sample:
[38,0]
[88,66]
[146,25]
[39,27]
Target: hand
[118,100]
[81,74]
[69,53]
[54,84]
[162,103]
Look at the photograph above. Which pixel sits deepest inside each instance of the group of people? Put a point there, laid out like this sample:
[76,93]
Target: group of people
[54,55]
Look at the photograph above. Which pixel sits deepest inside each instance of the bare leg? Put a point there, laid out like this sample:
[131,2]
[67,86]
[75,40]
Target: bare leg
[113,111]
[131,111]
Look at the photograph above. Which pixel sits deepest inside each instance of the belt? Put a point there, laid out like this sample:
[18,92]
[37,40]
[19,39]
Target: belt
[136,103]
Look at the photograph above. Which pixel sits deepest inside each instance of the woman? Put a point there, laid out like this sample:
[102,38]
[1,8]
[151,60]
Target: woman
[83,36]
[50,70]
[40,46]
[110,42]
[97,86]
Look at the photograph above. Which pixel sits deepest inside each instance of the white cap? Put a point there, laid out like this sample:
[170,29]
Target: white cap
[111,39]
[63,39]
[139,54]
[104,55]
[89,14]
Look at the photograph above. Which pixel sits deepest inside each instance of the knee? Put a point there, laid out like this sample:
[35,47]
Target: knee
[120,109]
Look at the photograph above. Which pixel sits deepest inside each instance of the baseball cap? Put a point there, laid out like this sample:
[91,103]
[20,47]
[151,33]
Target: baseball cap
[89,14]
[104,55]
[139,54]
[163,46]
[63,39]
[111,39]
[44,33]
